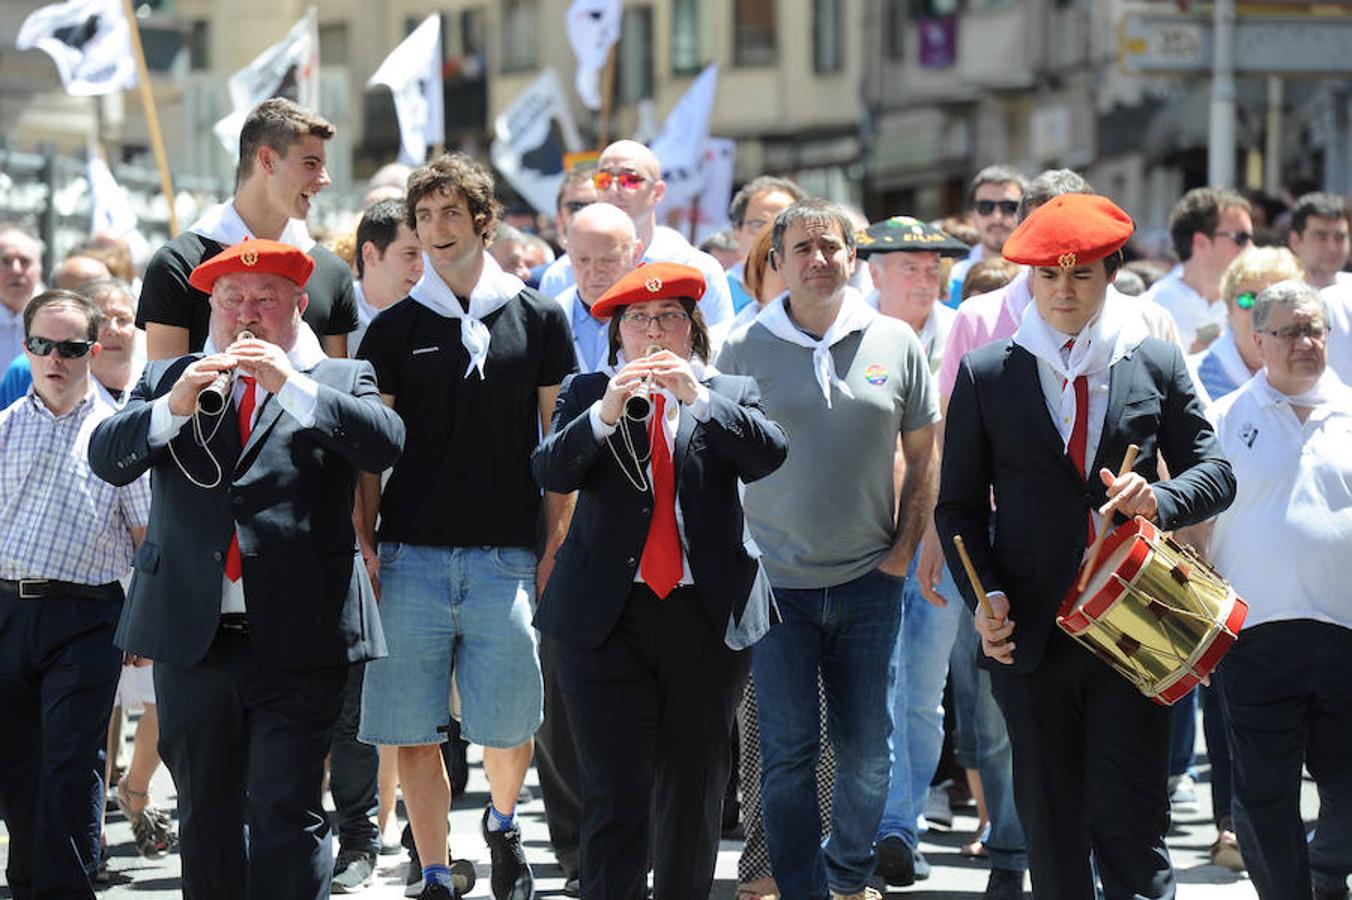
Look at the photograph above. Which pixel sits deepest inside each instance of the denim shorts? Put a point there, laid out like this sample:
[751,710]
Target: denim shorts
[462,608]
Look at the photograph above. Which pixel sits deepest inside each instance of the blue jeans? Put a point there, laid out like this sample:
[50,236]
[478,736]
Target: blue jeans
[849,634]
[1289,691]
[921,659]
[982,743]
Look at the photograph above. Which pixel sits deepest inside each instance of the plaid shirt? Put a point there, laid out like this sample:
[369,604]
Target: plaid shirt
[58,519]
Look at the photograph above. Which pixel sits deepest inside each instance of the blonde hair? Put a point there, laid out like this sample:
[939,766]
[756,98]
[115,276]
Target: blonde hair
[1269,264]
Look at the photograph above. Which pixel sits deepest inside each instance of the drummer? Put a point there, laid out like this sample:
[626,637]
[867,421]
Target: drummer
[1044,420]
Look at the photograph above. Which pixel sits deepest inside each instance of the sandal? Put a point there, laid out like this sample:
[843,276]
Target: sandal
[759,889]
[150,826]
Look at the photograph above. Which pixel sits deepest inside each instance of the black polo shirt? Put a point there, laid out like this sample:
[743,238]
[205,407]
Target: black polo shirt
[464,478]
[168,299]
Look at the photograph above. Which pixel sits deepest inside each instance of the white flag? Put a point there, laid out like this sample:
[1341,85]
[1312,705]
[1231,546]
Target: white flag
[289,68]
[412,72]
[593,27]
[680,144]
[530,138]
[112,210]
[90,42]
[702,194]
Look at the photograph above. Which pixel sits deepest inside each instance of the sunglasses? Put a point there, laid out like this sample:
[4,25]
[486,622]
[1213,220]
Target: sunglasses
[576,206]
[986,207]
[1246,300]
[41,346]
[1241,238]
[630,181]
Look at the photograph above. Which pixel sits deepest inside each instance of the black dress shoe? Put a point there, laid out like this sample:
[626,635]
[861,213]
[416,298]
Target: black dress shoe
[1004,884]
[896,862]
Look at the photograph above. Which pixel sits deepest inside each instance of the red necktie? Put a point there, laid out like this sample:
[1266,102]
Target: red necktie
[661,564]
[234,566]
[1079,432]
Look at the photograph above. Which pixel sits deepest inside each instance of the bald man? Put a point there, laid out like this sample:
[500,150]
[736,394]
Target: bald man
[603,246]
[76,270]
[629,176]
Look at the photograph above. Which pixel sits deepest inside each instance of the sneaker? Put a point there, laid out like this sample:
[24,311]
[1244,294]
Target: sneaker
[920,864]
[867,893]
[435,891]
[1004,884]
[512,877]
[1182,790]
[937,809]
[1225,851]
[462,878]
[413,880]
[353,871]
[896,862]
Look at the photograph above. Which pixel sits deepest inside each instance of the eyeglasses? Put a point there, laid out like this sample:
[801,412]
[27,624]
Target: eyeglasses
[1241,238]
[986,207]
[41,346]
[1315,331]
[232,302]
[667,321]
[1246,300]
[630,181]
[576,206]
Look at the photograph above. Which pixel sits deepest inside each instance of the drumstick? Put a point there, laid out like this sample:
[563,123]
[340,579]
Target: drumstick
[972,577]
[1127,462]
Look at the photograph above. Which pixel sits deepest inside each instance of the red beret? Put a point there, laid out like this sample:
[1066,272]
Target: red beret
[254,255]
[651,281]
[1069,230]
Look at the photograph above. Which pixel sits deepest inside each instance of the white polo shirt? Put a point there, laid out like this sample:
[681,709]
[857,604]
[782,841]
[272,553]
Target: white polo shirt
[1286,541]
[1338,296]
[1191,311]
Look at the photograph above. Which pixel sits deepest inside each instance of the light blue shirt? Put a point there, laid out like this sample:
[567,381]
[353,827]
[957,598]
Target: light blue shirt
[591,336]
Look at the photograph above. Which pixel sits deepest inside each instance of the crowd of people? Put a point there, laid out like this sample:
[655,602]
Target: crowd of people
[675,525]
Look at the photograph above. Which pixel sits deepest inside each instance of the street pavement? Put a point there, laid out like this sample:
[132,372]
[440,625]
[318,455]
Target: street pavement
[954,877]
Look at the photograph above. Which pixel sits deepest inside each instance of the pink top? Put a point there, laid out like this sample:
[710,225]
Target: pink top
[981,320]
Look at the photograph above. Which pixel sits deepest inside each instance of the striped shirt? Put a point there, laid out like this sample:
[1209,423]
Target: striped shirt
[59,520]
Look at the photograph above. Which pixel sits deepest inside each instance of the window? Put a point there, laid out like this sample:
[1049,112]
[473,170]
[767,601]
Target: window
[634,81]
[333,44]
[687,36]
[472,41]
[827,38]
[519,35]
[754,33]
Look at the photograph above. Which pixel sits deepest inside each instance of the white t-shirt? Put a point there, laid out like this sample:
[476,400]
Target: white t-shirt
[1338,296]
[1190,309]
[1286,541]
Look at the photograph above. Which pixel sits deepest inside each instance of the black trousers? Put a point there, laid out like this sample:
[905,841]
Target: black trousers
[556,763]
[1091,772]
[1288,686]
[246,746]
[58,677]
[354,773]
[652,711]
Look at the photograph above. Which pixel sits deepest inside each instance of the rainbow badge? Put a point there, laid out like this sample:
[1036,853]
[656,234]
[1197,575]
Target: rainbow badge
[875,375]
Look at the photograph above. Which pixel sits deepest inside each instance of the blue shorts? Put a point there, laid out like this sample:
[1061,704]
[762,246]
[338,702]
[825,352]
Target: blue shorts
[467,608]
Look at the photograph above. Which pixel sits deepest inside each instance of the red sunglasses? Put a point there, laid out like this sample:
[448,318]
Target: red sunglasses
[630,181]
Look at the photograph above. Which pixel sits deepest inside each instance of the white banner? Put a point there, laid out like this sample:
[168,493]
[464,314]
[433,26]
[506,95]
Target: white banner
[111,210]
[680,143]
[289,68]
[593,27]
[412,72]
[90,42]
[530,138]
[702,194]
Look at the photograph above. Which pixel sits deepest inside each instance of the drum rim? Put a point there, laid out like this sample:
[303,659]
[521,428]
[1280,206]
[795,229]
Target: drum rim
[1074,616]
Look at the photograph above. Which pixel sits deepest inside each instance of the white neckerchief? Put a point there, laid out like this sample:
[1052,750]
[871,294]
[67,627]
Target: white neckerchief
[1327,389]
[494,288]
[305,353]
[1100,344]
[222,223]
[854,315]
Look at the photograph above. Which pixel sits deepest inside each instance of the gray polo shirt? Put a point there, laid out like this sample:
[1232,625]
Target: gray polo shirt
[828,515]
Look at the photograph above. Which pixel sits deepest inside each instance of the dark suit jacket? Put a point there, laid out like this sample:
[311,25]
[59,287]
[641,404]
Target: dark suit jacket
[999,434]
[594,568]
[288,492]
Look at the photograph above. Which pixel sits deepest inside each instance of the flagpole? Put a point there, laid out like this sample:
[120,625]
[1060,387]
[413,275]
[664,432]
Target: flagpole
[607,89]
[152,117]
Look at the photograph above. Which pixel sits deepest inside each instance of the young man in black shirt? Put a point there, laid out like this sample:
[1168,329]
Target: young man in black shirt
[281,168]
[472,362]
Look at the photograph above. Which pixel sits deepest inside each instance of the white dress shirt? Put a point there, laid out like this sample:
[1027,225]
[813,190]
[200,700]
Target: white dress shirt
[1098,382]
